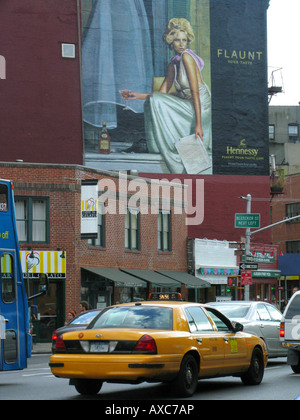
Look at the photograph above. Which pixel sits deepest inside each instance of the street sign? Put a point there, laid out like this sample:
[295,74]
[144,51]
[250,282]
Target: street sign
[248,266]
[245,220]
[246,278]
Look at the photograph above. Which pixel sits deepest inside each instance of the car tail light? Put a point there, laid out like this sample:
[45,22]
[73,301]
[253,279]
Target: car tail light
[281,332]
[54,335]
[60,345]
[146,345]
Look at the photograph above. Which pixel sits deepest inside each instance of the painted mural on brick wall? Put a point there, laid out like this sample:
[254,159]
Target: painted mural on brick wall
[175,86]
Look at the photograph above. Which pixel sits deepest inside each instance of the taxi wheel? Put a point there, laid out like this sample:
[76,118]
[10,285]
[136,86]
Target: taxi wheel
[88,386]
[255,373]
[186,382]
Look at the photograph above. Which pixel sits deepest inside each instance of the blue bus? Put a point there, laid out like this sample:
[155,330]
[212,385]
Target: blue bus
[16,340]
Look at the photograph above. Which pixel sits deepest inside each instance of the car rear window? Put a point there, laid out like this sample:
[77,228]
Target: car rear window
[294,308]
[141,317]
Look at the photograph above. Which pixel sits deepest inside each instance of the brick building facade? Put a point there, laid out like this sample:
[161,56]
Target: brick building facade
[59,186]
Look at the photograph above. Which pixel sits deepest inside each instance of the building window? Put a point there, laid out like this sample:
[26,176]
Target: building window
[32,216]
[293,133]
[100,240]
[293,210]
[293,247]
[164,231]
[272,132]
[68,51]
[132,229]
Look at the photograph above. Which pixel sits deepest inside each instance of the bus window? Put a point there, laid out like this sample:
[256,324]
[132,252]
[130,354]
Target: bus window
[7,279]
[3,198]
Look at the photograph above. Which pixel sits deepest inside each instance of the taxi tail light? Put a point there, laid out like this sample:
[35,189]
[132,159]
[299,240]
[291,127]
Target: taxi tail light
[54,335]
[146,344]
[282,330]
[60,345]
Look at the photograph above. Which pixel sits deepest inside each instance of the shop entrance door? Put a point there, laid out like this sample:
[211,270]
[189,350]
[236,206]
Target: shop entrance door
[47,312]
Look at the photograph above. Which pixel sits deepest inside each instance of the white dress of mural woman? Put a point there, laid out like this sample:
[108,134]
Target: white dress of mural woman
[169,117]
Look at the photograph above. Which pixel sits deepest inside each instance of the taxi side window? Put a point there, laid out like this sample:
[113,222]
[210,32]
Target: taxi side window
[197,319]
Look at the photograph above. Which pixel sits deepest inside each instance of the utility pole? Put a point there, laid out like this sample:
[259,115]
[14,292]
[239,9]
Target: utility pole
[247,245]
[248,198]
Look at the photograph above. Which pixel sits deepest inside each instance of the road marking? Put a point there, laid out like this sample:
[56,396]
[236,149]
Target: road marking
[35,374]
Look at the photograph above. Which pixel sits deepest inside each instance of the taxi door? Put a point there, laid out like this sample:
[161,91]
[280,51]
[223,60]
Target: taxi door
[9,329]
[210,343]
[235,346]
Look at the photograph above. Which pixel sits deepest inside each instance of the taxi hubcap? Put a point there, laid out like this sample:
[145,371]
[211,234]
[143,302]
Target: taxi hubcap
[256,366]
[189,375]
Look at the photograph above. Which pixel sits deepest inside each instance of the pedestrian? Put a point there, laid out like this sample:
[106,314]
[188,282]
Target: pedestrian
[84,306]
[70,316]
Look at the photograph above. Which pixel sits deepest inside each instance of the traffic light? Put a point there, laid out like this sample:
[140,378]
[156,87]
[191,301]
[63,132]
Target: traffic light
[232,281]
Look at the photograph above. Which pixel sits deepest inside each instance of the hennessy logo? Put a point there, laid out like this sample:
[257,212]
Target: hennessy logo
[2,67]
[243,143]
[242,150]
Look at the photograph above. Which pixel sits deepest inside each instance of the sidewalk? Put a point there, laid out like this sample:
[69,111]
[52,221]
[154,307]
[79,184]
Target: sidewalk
[41,348]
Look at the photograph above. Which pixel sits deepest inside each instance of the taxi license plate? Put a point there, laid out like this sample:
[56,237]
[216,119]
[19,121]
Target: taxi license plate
[99,347]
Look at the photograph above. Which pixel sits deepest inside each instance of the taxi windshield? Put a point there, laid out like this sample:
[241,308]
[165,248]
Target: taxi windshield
[141,317]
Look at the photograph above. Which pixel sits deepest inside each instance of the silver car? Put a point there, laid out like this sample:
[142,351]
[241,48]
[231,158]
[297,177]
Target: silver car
[258,318]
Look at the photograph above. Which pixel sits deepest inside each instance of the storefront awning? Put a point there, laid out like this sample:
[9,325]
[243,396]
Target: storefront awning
[187,279]
[120,278]
[155,278]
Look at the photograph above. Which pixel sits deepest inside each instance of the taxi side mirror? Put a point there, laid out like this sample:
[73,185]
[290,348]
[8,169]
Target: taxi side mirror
[237,327]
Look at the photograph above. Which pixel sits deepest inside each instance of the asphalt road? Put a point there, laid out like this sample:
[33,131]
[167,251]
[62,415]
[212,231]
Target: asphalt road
[37,383]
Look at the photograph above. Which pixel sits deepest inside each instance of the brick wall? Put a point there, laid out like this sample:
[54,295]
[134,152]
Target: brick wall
[61,184]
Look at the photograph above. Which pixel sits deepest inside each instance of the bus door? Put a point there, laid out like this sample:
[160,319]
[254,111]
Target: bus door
[9,349]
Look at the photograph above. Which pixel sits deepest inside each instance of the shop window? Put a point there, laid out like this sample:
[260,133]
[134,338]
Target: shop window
[132,229]
[164,231]
[32,216]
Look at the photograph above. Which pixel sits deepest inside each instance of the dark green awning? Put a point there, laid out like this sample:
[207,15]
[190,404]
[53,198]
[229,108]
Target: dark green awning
[155,278]
[120,278]
[185,278]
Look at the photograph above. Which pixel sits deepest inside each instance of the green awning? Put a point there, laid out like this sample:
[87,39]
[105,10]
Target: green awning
[120,278]
[187,279]
[155,278]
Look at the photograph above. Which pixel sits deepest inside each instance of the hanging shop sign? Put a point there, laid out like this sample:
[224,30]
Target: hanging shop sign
[52,263]
[89,209]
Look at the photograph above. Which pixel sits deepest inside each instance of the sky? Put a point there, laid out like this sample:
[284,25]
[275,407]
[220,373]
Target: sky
[284,49]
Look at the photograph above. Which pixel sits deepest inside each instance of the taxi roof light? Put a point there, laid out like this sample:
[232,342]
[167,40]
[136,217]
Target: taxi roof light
[165,296]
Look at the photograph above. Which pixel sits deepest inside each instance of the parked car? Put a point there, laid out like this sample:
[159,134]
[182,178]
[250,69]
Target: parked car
[78,323]
[258,318]
[290,332]
[158,341]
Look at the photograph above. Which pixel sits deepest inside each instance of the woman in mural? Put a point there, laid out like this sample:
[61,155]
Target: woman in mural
[170,117]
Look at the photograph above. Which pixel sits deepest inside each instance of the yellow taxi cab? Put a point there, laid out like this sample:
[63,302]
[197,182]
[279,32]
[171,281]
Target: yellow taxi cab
[158,341]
